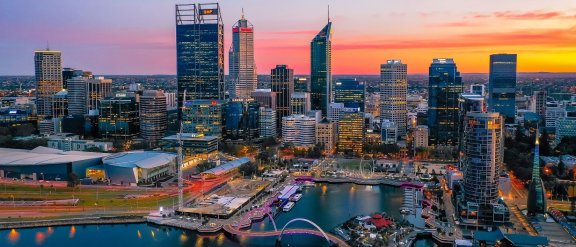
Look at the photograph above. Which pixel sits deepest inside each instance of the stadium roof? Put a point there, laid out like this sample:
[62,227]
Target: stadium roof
[227,167]
[44,156]
[141,159]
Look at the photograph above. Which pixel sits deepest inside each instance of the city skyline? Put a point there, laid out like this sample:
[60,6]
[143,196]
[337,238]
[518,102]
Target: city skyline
[111,42]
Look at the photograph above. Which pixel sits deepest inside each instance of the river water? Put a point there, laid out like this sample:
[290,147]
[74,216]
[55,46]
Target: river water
[328,205]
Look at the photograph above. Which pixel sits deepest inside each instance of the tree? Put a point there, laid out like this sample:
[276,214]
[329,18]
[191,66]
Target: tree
[73,180]
[561,168]
[204,166]
[248,169]
[544,144]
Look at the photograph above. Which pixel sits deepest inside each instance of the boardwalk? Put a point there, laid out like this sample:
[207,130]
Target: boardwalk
[232,230]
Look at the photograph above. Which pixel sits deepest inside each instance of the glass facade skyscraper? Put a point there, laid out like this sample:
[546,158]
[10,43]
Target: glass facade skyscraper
[119,116]
[242,68]
[444,89]
[283,85]
[350,92]
[502,85]
[321,69]
[199,52]
[242,116]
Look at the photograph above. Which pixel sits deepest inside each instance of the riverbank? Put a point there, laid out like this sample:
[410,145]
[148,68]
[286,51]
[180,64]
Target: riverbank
[132,219]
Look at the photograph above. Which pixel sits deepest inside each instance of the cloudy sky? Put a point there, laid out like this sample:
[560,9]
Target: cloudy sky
[138,36]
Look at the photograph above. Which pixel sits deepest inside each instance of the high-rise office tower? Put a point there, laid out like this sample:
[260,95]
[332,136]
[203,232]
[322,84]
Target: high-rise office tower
[242,67]
[502,85]
[69,73]
[85,94]
[299,130]
[241,122]
[119,116]
[48,72]
[203,116]
[326,134]
[321,69]
[98,88]
[393,93]
[153,116]
[77,95]
[483,157]
[350,92]
[536,192]
[300,103]
[301,84]
[351,132]
[444,88]
[199,52]
[479,89]
[60,104]
[538,103]
[283,85]
[267,122]
[265,97]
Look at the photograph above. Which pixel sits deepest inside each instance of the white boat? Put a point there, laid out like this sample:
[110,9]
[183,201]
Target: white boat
[296,197]
[308,184]
[288,206]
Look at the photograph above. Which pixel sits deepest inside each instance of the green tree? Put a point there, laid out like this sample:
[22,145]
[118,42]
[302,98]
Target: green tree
[249,169]
[73,180]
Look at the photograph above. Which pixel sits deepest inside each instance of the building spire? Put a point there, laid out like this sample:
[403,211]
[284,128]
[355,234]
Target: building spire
[328,12]
[242,17]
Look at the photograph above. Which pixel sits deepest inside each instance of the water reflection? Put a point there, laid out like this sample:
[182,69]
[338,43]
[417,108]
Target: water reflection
[13,236]
[72,232]
[139,234]
[40,237]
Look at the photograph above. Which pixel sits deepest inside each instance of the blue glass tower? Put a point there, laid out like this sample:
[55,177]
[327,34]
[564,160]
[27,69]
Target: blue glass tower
[321,69]
[199,52]
[444,88]
[502,85]
[350,92]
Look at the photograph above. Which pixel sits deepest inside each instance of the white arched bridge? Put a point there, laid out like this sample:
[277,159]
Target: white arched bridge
[331,239]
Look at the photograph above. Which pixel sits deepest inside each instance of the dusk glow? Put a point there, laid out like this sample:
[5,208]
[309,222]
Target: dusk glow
[138,37]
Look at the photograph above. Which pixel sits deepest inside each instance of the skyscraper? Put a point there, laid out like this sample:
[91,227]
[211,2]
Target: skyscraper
[502,85]
[351,133]
[283,85]
[241,122]
[203,116]
[199,52]
[483,157]
[299,130]
[300,103]
[85,94]
[242,68]
[444,88]
[267,122]
[393,91]
[119,116]
[321,69]
[536,192]
[48,72]
[350,92]
[153,116]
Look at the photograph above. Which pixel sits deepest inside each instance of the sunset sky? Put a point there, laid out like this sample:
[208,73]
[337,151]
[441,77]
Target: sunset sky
[138,36]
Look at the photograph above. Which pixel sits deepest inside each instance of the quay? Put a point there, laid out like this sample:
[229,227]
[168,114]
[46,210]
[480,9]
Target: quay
[74,221]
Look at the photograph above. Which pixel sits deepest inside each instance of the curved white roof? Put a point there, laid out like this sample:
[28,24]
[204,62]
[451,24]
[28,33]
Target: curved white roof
[227,167]
[141,159]
[44,156]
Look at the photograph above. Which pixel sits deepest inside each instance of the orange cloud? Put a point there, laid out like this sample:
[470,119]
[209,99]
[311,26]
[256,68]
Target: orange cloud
[528,15]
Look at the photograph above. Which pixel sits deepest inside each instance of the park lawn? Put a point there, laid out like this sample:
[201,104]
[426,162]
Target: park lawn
[90,197]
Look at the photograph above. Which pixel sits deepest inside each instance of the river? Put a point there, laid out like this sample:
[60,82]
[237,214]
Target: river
[328,205]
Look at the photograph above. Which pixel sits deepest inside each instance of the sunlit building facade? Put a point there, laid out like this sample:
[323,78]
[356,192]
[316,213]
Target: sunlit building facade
[393,93]
[48,72]
[242,68]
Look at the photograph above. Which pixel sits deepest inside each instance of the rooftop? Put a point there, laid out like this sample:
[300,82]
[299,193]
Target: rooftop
[227,167]
[191,137]
[44,156]
[141,159]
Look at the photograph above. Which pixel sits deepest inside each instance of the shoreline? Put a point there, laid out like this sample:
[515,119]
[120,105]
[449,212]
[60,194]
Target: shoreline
[102,220]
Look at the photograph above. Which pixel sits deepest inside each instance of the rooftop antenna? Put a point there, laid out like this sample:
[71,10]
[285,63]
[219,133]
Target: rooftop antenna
[242,14]
[328,12]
